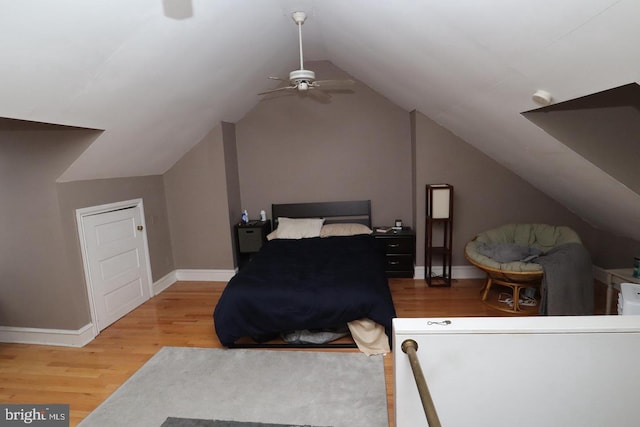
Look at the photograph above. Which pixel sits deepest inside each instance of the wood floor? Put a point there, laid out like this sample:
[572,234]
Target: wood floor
[181,316]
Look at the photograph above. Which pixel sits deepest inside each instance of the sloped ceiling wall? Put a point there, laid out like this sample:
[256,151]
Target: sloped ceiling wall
[603,127]
[157,84]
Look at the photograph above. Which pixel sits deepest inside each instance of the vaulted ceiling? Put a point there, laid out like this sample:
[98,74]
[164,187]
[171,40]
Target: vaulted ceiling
[156,74]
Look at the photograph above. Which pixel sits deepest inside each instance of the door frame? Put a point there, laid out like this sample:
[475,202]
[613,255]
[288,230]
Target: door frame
[97,210]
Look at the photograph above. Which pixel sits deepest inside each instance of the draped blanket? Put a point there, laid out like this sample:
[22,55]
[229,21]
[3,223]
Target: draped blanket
[567,284]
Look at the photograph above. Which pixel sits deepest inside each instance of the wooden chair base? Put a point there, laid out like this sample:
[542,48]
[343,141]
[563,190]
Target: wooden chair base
[515,308]
[516,280]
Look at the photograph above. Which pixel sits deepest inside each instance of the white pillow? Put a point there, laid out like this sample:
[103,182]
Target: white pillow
[344,229]
[297,228]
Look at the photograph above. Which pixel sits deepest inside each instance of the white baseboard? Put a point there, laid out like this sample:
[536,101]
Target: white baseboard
[470,272]
[457,272]
[84,335]
[164,283]
[192,275]
[59,337]
[205,275]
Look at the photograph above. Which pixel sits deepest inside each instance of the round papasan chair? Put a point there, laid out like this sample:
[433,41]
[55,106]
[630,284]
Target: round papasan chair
[507,254]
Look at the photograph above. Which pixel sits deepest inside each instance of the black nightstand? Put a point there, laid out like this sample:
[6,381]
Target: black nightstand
[249,239]
[400,249]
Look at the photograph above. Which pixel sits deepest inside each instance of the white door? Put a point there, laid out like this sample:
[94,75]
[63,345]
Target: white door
[116,260]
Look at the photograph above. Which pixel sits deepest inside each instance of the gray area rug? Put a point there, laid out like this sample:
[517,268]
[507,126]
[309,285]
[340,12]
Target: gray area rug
[187,422]
[296,388]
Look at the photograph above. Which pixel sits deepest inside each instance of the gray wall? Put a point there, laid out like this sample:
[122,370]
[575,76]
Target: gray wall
[82,194]
[233,179]
[360,146]
[43,282]
[603,127]
[295,149]
[36,287]
[198,205]
[486,195]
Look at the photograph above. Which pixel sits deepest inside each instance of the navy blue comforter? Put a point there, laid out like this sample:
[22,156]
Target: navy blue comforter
[305,284]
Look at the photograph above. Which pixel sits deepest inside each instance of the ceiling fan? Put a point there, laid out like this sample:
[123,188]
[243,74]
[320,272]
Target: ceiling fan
[304,81]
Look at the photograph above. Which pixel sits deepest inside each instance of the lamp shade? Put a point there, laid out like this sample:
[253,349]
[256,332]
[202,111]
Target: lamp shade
[439,201]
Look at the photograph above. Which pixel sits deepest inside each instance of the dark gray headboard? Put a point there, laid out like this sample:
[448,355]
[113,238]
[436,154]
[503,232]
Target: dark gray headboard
[358,211]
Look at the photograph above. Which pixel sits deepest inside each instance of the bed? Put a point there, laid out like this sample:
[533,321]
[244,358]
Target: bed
[313,283]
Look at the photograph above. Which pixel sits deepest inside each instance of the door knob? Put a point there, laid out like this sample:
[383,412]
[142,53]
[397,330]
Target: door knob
[140,228]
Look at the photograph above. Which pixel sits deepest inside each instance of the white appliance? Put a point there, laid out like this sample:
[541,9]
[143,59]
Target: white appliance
[629,299]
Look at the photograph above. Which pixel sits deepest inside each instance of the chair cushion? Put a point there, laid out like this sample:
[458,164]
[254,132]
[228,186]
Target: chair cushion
[508,252]
[540,237]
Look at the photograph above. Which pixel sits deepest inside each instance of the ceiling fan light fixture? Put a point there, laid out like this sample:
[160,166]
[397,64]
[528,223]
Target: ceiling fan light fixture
[303,85]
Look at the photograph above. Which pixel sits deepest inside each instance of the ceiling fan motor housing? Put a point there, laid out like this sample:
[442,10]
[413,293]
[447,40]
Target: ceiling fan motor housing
[302,76]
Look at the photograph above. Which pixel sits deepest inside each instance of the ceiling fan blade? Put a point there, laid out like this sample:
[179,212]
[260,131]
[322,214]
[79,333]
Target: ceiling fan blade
[334,84]
[318,95]
[277,90]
